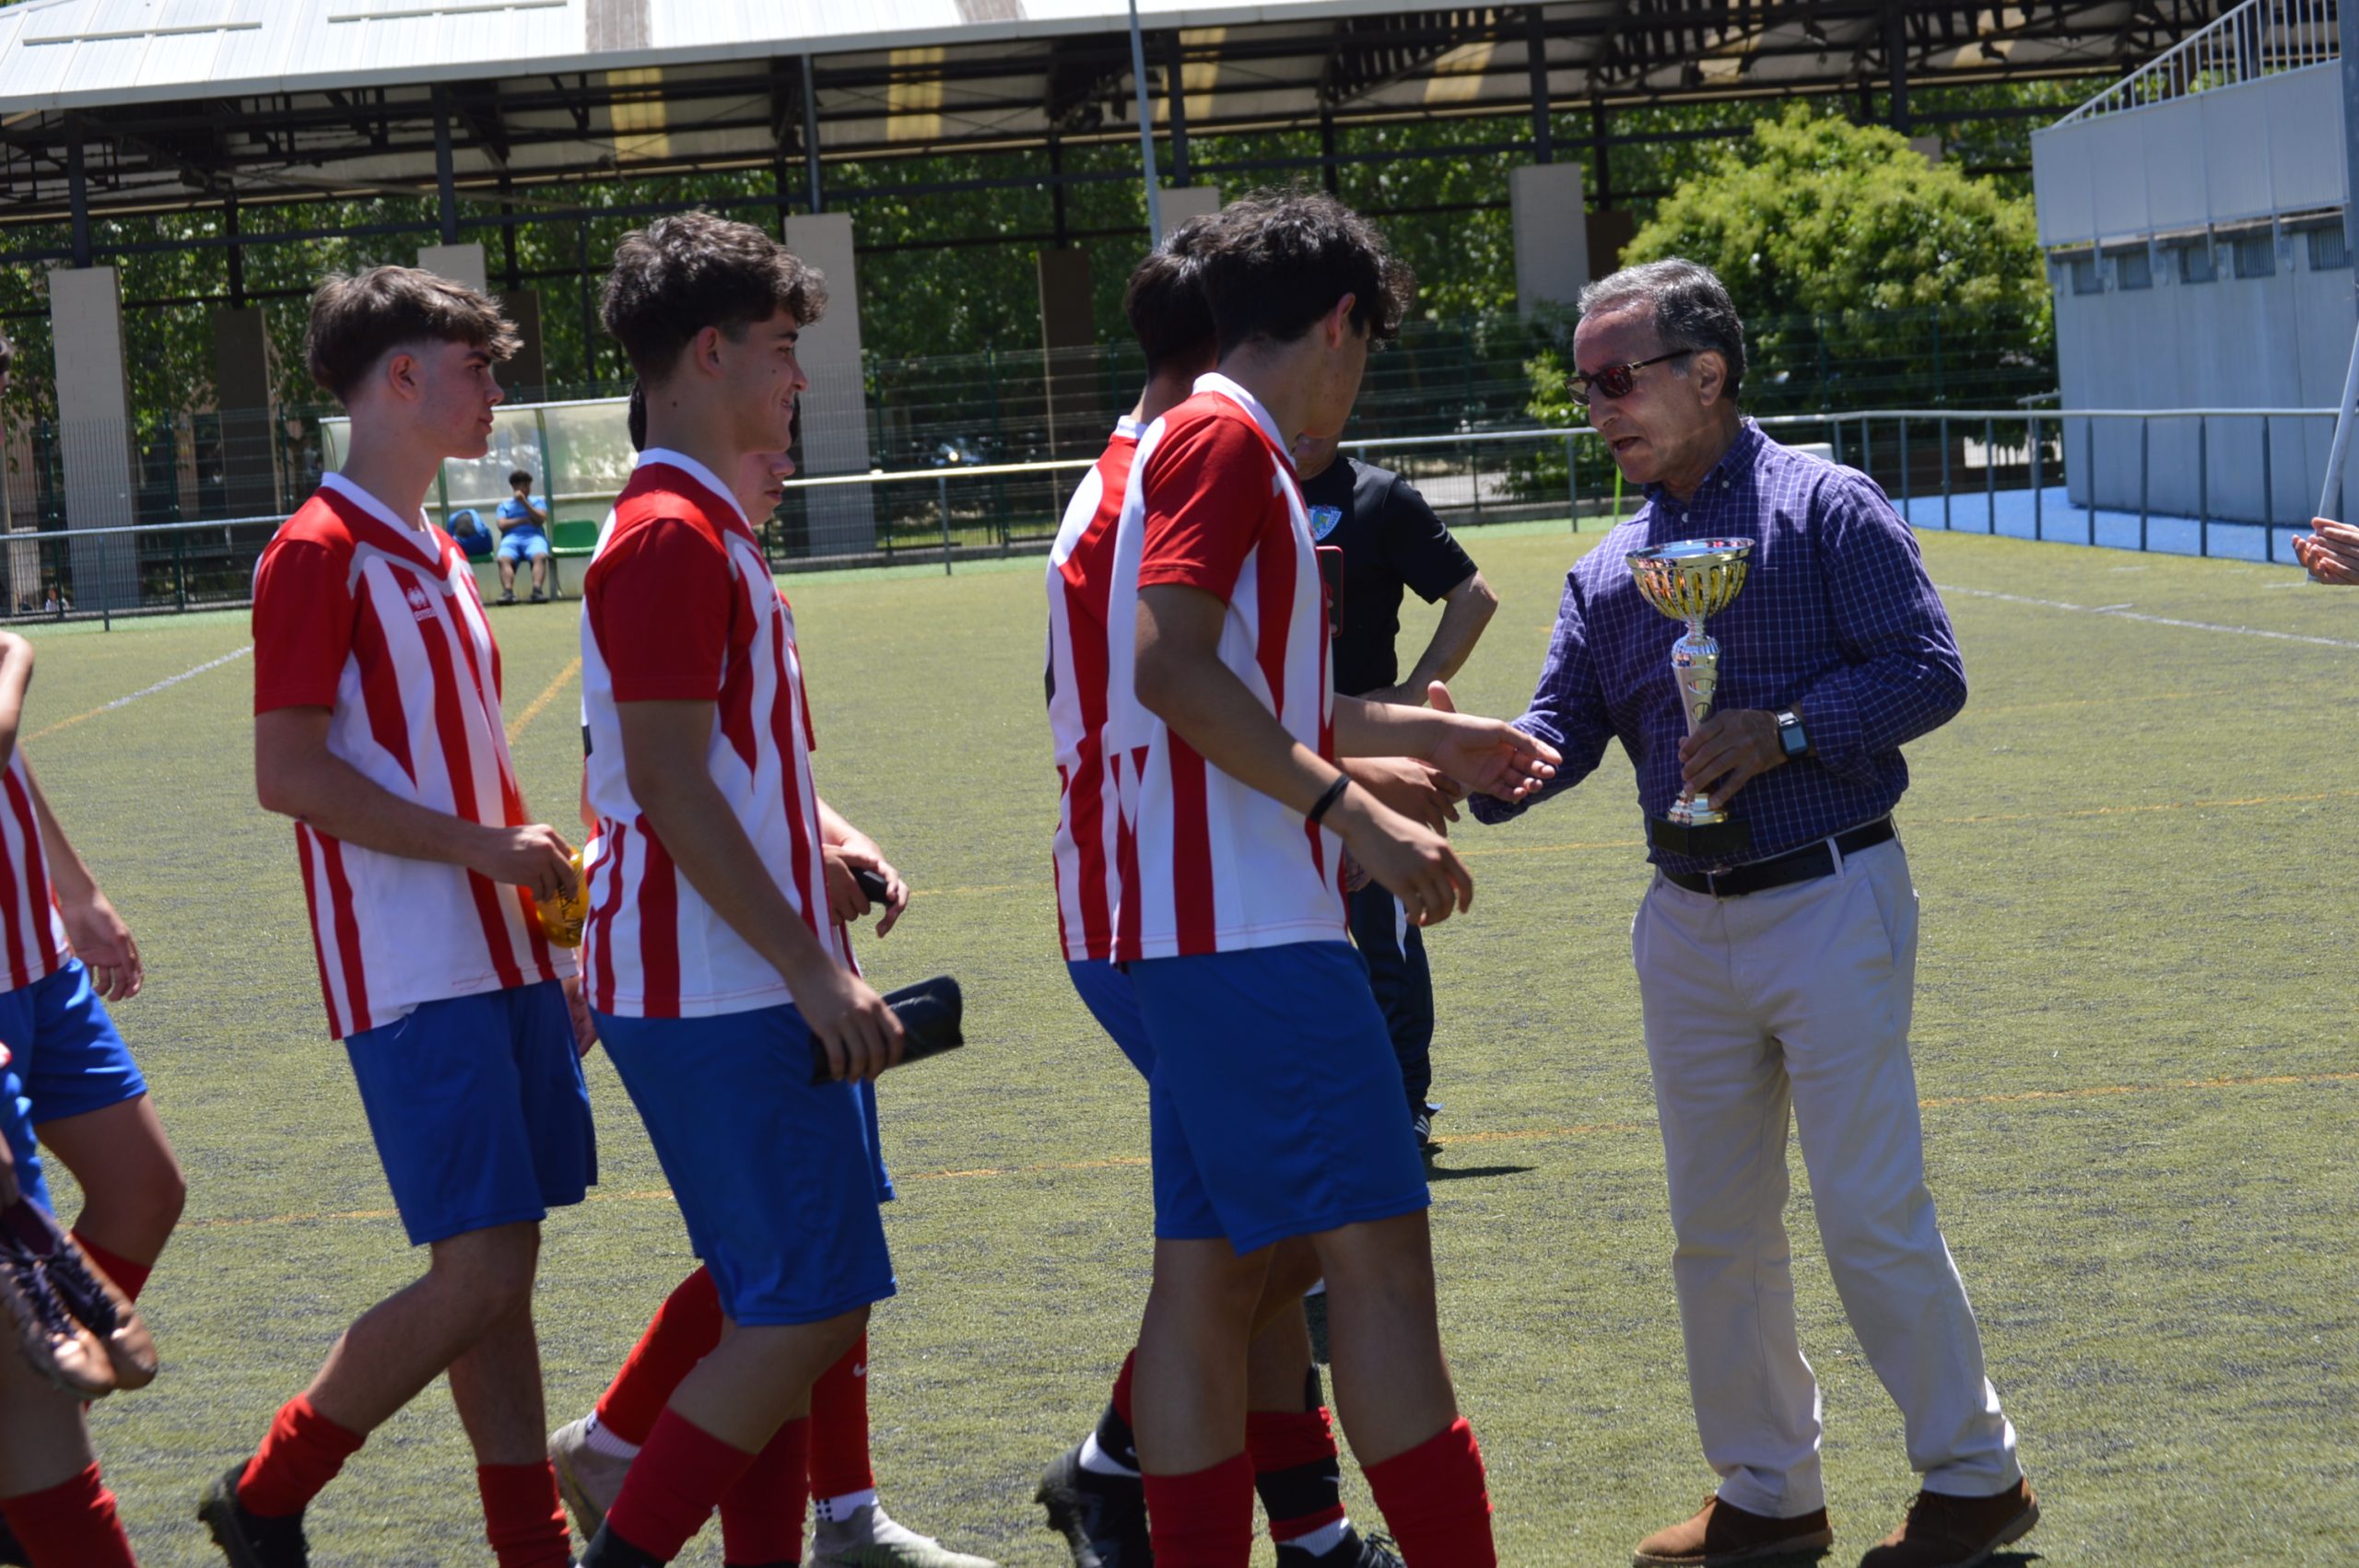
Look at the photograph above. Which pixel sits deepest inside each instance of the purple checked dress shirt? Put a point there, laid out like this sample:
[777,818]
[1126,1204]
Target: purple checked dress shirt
[1836,617]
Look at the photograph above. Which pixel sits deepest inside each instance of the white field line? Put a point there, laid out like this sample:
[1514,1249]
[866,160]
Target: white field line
[2122,611]
[165,684]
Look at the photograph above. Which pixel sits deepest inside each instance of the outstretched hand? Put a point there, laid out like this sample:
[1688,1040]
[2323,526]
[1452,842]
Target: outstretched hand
[1488,756]
[2331,553]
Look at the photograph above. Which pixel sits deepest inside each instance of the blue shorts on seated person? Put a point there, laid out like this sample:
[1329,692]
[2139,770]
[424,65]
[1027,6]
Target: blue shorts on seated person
[68,1057]
[1274,1106]
[480,1110]
[523,544]
[1105,988]
[776,1177]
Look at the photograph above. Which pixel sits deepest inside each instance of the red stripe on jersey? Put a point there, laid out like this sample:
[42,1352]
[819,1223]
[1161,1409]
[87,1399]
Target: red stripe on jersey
[1192,846]
[1273,567]
[381,691]
[787,692]
[601,944]
[347,935]
[19,973]
[458,760]
[38,899]
[659,926]
[319,947]
[1126,857]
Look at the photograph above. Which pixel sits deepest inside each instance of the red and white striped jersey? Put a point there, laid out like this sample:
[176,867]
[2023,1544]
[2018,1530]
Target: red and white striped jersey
[679,605]
[1093,842]
[1214,505]
[380,623]
[30,927]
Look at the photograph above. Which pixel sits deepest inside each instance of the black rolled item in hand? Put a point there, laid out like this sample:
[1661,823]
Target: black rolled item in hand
[872,884]
[932,1014]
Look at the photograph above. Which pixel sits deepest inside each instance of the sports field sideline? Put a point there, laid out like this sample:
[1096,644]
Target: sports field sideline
[2137,1039]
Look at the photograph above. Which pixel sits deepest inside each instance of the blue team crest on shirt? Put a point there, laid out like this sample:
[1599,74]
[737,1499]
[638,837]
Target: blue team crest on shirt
[1323,521]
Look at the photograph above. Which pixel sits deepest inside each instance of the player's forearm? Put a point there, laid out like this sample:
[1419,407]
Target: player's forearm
[1209,708]
[688,813]
[67,871]
[1383,728]
[1465,610]
[835,830]
[15,679]
[298,777]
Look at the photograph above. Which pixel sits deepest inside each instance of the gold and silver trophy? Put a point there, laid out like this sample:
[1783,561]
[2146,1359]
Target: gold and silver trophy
[1688,580]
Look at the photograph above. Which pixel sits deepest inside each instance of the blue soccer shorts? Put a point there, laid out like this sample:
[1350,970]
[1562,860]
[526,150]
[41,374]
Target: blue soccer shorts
[1275,1102]
[480,1110]
[523,544]
[68,1057]
[775,1175]
[17,1127]
[1105,991]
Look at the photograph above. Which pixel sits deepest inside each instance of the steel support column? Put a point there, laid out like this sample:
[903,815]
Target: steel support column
[1544,133]
[446,185]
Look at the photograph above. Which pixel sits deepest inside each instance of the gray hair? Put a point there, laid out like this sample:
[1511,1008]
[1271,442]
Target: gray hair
[1692,308]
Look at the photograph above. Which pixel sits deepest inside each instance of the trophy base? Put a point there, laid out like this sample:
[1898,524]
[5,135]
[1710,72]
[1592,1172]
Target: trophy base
[1722,840]
[1694,811]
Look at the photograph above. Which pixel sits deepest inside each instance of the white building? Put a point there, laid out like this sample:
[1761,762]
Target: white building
[2194,217]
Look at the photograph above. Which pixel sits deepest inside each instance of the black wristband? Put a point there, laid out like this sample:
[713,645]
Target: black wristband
[1334,793]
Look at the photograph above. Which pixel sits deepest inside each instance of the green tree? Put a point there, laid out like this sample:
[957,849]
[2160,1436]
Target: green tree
[1822,228]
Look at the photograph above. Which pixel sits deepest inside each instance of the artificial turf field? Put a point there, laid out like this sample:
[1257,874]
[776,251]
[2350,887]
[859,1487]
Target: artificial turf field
[2137,1037]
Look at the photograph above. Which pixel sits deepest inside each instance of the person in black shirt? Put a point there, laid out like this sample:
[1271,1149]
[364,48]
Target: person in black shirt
[1391,541]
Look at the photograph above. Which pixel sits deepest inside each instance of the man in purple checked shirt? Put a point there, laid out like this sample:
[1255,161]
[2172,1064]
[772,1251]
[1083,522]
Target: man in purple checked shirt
[1777,952]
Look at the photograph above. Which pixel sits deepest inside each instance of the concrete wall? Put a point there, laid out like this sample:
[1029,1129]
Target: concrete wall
[2228,156]
[460,263]
[94,431]
[1184,202]
[1551,225]
[835,411]
[2281,341]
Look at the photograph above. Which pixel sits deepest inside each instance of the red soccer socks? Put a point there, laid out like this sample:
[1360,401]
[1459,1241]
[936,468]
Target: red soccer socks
[522,1519]
[683,1332]
[72,1526]
[761,1515]
[838,1442]
[1433,1501]
[1204,1520]
[300,1453]
[1296,1470]
[680,1476]
[128,1277]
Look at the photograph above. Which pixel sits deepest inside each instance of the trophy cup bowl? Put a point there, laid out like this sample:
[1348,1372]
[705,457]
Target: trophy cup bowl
[1689,579]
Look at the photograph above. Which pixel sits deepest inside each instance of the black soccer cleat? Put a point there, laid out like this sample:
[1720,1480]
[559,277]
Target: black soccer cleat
[1421,1125]
[607,1550]
[247,1539]
[1103,1518]
[1353,1551]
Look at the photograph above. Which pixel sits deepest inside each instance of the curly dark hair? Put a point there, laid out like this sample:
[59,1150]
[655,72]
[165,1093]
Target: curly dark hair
[1274,262]
[358,319]
[1165,300]
[682,273]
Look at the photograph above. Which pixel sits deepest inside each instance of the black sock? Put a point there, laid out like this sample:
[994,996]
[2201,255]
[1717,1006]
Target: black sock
[611,1550]
[1116,1441]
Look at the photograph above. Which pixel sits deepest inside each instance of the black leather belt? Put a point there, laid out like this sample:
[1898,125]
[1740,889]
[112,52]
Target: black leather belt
[1796,865]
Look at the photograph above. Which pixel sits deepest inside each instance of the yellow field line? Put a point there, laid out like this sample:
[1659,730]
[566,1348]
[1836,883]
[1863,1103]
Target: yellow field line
[1507,1135]
[517,725]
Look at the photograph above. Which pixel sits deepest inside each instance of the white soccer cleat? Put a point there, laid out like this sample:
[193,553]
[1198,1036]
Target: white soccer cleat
[870,1539]
[587,1479]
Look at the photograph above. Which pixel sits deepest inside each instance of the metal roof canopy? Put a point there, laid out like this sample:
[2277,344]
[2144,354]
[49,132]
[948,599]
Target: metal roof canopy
[111,108]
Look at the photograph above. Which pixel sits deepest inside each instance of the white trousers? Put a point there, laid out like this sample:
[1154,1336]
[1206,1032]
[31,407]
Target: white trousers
[1794,1005]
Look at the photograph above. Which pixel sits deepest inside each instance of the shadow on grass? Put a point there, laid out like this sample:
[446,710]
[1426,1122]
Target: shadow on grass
[1468,1173]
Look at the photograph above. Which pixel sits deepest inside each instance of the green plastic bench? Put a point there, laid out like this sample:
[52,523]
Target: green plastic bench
[570,539]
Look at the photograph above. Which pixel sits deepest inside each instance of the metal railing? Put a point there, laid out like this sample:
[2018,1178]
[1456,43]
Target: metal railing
[2035,472]
[2257,38]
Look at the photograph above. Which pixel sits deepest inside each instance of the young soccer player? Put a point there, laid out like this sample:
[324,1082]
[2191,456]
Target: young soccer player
[378,728]
[67,957]
[593,1454]
[1274,1069]
[56,1507]
[718,979]
[1094,1493]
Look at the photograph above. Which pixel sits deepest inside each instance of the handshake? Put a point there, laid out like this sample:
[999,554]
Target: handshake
[2331,553]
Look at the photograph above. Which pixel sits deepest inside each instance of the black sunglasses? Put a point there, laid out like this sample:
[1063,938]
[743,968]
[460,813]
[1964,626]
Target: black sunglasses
[1616,381]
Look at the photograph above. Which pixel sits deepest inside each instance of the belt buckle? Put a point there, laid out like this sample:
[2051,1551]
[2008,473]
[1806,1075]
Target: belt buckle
[1712,880]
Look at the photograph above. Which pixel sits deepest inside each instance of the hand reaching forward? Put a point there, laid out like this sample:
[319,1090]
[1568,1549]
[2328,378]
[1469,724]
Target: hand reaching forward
[1416,789]
[1488,756]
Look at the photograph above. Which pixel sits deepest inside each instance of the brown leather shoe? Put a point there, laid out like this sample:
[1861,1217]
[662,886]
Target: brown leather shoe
[1942,1531]
[1724,1535]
